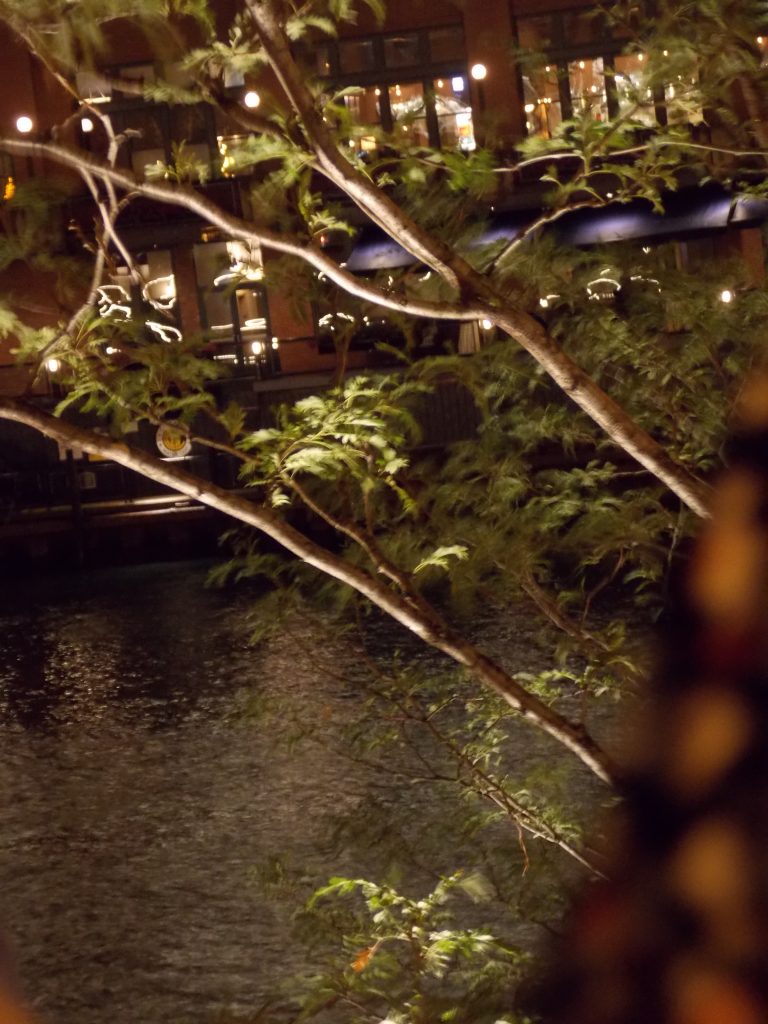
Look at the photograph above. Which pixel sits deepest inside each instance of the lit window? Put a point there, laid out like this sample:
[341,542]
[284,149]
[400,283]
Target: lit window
[587,83]
[454,116]
[543,112]
[633,96]
[409,121]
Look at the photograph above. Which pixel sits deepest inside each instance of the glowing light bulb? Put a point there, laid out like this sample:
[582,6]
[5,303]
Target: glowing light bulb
[24,124]
[582,65]
[86,124]
[726,295]
[486,324]
[257,348]
[478,72]
[544,303]
[53,365]
[251,99]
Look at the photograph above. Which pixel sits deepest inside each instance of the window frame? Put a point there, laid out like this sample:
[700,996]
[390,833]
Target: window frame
[560,54]
[381,76]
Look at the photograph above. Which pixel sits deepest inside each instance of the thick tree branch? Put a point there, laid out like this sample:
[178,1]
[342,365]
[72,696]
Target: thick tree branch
[481,300]
[431,628]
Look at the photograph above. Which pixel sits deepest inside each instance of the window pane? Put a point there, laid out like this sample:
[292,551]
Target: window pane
[587,82]
[446,44]
[454,113]
[683,101]
[160,287]
[535,33]
[543,111]
[252,316]
[322,60]
[365,106]
[409,113]
[634,97]
[143,74]
[189,123]
[356,55]
[402,51]
[581,27]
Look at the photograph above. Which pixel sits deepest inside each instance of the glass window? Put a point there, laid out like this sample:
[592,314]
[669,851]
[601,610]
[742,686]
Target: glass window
[232,300]
[159,288]
[683,101]
[140,73]
[587,83]
[454,113]
[543,110]
[409,120]
[322,60]
[402,51]
[535,34]
[356,55]
[580,27]
[634,98]
[446,44]
[365,106]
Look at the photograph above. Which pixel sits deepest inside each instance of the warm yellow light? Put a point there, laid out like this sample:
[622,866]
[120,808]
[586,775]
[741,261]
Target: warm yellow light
[86,124]
[582,65]
[478,72]
[9,189]
[726,295]
[530,107]
[53,365]
[251,99]
[486,324]
[759,40]
[24,124]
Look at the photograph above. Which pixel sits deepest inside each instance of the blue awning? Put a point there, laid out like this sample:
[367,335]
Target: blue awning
[686,212]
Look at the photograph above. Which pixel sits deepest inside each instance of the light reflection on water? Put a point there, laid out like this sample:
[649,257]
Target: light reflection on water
[136,800]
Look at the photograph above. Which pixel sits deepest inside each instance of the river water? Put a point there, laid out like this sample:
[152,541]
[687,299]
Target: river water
[137,797]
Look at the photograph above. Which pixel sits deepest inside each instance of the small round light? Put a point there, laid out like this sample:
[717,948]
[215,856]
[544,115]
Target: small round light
[486,324]
[53,365]
[24,124]
[86,124]
[478,72]
[529,108]
[251,99]
[257,348]
[759,40]
[726,295]
[544,303]
[275,343]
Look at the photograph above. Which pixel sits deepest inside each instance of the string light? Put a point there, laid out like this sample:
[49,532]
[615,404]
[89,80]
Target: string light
[53,365]
[726,295]
[86,124]
[251,99]
[24,124]
[478,72]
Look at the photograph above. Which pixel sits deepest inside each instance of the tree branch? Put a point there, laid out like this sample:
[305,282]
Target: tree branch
[431,629]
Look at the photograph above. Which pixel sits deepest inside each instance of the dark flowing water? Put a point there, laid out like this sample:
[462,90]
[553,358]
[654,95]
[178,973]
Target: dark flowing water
[137,796]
